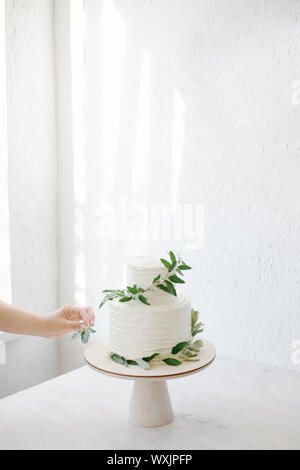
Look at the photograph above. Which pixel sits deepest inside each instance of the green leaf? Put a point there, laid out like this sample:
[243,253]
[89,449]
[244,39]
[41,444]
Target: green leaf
[173,258]
[156,279]
[197,344]
[176,279]
[183,357]
[132,363]
[102,303]
[171,288]
[141,290]
[179,347]
[149,359]
[119,360]
[85,336]
[186,356]
[195,316]
[164,288]
[184,267]
[143,364]
[126,299]
[196,332]
[143,300]
[190,354]
[166,264]
[172,362]
[116,358]
[133,290]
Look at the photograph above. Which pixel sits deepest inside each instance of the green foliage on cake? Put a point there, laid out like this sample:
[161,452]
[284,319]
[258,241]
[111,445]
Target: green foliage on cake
[176,268]
[144,363]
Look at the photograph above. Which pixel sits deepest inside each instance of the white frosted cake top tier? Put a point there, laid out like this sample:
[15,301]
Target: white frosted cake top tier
[141,270]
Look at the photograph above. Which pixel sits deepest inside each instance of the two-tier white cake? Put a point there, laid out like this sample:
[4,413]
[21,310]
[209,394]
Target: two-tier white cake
[149,320]
[137,330]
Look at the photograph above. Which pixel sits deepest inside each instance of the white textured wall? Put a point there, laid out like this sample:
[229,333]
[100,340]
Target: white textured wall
[231,65]
[5,278]
[32,184]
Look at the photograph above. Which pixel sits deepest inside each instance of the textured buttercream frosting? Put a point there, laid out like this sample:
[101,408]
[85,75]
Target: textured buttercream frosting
[137,330]
[141,270]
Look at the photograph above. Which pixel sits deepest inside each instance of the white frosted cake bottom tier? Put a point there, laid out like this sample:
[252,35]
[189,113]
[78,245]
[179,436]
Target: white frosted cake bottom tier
[137,330]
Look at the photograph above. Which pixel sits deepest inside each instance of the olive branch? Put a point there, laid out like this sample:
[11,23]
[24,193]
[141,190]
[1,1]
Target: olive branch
[83,334]
[175,267]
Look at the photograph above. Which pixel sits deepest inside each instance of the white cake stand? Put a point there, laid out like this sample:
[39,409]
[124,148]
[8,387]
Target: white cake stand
[150,402]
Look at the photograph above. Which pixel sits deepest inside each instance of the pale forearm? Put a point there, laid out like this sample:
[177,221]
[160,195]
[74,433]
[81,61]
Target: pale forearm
[18,321]
[52,325]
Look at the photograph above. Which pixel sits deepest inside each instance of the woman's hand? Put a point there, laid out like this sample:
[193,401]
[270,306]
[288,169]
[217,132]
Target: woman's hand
[67,319]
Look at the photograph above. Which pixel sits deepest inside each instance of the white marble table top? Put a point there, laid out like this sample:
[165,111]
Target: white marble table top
[232,405]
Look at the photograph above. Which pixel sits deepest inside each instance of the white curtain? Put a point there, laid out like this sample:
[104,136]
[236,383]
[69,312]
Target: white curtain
[128,168]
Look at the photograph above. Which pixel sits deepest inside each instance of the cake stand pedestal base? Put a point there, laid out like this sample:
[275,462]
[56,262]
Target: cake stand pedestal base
[150,404]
